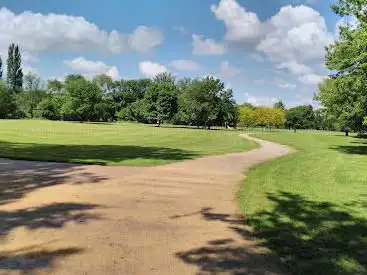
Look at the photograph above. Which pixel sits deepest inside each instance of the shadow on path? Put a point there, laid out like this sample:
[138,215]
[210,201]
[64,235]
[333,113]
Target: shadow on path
[28,260]
[54,215]
[18,178]
[227,255]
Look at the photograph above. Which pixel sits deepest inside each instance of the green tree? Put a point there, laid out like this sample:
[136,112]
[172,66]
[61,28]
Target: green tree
[55,86]
[344,93]
[199,103]
[31,96]
[300,117]
[83,100]
[14,69]
[7,104]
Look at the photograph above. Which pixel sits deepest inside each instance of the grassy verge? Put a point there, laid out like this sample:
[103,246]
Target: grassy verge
[311,207]
[112,144]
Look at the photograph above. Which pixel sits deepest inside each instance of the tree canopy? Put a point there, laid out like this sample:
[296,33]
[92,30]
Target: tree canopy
[344,93]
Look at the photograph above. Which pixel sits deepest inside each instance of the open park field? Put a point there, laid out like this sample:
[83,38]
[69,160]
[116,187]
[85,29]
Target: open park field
[112,144]
[303,211]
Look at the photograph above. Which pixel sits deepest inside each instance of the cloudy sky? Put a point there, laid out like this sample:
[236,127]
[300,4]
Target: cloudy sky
[264,50]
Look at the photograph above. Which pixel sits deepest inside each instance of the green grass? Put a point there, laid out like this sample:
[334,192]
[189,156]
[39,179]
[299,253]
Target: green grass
[311,207]
[112,144]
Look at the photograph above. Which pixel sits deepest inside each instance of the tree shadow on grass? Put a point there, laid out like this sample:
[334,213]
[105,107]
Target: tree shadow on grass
[30,259]
[311,238]
[91,154]
[358,148]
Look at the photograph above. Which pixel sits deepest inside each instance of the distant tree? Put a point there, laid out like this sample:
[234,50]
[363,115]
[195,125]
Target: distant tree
[199,103]
[105,82]
[164,77]
[7,103]
[246,116]
[269,117]
[83,100]
[227,110]
[300,117]
[14,69]
[54,86]
[279,105]
[33,93]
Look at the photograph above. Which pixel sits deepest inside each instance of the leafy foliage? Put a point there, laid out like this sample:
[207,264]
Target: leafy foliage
[344,93]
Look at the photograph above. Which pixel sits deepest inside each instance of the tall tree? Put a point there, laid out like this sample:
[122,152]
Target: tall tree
[344,93]
[14,69]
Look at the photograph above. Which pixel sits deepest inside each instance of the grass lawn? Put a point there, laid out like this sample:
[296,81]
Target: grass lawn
[311,207]
[112,144]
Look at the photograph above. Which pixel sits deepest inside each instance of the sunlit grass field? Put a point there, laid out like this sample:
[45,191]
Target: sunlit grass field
[311,207]
[112,144]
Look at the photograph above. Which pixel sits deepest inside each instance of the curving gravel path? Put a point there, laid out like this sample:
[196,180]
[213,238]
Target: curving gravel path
[173,219]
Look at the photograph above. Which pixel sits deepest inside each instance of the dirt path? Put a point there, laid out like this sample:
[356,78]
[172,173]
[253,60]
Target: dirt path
[172,219]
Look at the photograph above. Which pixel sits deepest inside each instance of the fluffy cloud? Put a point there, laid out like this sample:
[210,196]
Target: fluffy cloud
[150,69]
[36,32]
[240,23]
[294,67]
[294,39]
[145,38]
[227,70]
[90,68]
[185,65]
[295,33]
[206,46]
[311,79]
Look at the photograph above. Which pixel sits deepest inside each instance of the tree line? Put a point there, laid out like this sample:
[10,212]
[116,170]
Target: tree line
[201,102]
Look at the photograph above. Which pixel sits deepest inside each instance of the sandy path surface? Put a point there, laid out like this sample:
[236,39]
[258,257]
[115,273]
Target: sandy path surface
[173,219]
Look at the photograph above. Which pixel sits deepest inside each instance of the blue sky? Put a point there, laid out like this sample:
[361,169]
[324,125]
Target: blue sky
[264,50]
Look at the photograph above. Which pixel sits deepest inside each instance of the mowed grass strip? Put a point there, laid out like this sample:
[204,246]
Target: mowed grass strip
[112,144]
[311,207]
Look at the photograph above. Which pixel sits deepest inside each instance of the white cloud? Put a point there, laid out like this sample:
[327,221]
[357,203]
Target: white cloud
[227,70]
[37,32]
[296,33]
[150,69]
[287,86]
[185,65]
[240,23]
[294,67]
[311,79]
[90,68]
[145,38]
[206,46]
